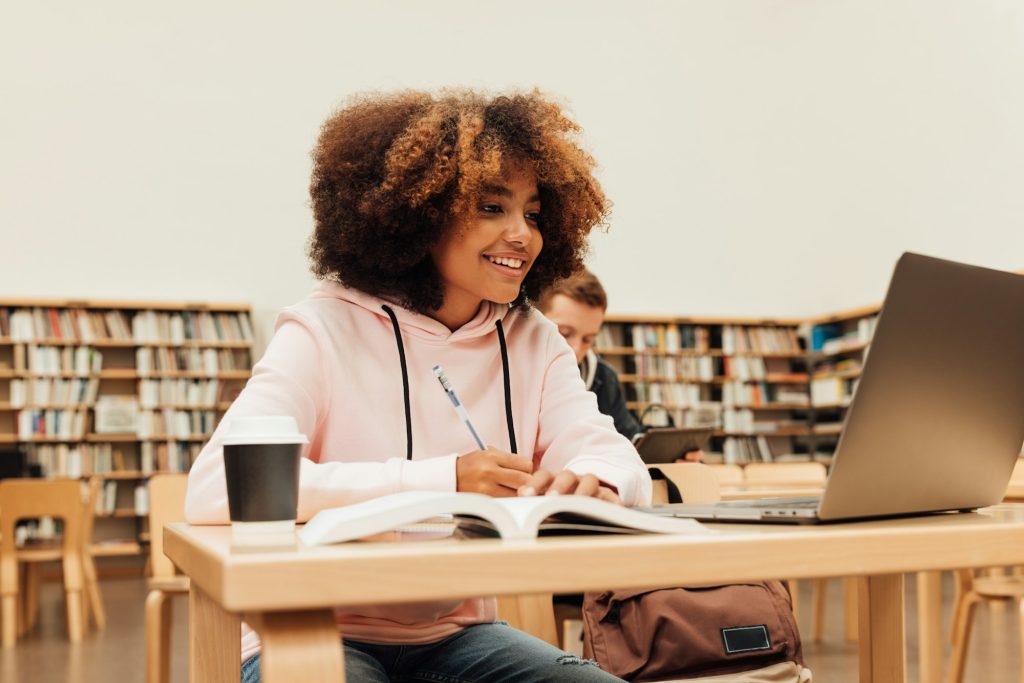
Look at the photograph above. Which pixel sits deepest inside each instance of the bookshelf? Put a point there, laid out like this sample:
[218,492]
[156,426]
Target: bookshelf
[837,346]
[120,390]
[772,389]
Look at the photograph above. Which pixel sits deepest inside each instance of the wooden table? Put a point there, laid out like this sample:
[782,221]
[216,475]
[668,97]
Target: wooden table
[287,595]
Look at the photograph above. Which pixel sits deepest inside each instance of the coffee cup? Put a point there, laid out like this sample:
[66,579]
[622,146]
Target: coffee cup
[261,468]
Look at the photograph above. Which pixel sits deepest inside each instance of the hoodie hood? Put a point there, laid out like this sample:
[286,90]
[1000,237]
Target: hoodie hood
[415,324]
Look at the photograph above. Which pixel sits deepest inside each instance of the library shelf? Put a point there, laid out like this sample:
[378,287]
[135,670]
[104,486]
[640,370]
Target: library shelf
[769,367]
[842,374]
[55,349]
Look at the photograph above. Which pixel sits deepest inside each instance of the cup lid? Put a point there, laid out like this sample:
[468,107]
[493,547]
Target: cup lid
[263,429]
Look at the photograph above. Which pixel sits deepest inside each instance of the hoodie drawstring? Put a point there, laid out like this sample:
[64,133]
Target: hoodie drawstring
[405,384]
[508,389]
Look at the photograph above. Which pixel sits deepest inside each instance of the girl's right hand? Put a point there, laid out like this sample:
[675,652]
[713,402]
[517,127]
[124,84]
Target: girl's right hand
[492,472]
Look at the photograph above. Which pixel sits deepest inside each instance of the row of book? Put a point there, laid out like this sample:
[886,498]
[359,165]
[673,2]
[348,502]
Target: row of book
[833,338]
[831,391]
[167,456]
[702,368]
[180,392]
[207,361]
[66,324]
[78,460]
[676,394]
[729,339]
[182,424]
[56,360]
[742,450]
[667,338]
[51,424]
[847,365]
[61,392]
[80,325]
[759,394]
[759,340]
[149,326]
[98,459]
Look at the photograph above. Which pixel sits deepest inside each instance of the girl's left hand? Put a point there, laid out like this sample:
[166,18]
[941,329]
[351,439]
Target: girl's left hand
[544,483]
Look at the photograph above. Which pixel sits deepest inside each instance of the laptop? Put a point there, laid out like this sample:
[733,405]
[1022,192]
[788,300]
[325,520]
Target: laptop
[662,445]
[937,420]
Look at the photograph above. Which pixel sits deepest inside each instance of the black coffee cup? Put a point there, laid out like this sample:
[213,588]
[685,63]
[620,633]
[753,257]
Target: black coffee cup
[261,469]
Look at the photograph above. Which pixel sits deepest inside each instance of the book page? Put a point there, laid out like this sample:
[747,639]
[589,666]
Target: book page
[399,510]
[531,512]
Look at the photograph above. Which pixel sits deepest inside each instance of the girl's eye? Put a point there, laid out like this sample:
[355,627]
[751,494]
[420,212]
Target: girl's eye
[490,208]
[533,216]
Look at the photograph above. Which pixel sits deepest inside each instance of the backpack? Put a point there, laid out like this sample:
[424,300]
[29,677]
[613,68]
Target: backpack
[673,633]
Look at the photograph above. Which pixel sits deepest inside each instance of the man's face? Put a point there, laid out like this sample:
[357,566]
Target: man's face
[576,321]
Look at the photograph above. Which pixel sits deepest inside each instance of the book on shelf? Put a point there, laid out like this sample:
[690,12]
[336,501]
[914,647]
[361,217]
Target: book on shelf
[51,424]
[172,456]
[477,514]
[116,415]
[740,450]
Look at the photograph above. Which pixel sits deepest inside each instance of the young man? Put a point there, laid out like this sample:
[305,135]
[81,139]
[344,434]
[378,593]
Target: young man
[577,306]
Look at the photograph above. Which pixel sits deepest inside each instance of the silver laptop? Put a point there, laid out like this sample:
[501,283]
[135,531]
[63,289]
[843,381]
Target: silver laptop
[937,420]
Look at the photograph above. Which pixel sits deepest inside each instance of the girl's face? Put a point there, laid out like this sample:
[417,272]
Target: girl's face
[486,256]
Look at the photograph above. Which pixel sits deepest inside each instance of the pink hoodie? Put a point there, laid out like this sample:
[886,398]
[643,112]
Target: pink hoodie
[333,364]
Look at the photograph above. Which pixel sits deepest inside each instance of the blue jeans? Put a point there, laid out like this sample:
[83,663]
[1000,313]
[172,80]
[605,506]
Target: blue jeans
[484,653]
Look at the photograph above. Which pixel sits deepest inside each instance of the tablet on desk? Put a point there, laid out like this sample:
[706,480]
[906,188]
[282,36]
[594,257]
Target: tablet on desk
[657,446]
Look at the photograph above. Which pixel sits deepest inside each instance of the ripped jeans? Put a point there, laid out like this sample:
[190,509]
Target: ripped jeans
[484,653]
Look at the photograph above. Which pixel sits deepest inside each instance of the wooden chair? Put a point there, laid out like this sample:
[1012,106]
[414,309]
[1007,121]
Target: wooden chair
[974,586]
[92,603]
[810,474]
[32,499]
[94,600]
[535,613]
[166,505]
[728,475]
[697,483]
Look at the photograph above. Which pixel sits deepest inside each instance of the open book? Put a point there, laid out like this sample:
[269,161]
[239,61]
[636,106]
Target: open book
[482,515]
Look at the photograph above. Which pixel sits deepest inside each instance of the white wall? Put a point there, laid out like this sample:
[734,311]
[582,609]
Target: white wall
[765,158]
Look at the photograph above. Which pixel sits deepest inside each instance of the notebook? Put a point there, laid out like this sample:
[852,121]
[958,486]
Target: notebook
[937,420]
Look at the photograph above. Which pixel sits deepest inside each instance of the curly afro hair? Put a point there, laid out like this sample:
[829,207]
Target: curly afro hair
[392,172]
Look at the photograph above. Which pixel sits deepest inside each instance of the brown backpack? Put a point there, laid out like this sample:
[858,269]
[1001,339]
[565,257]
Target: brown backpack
[671,633]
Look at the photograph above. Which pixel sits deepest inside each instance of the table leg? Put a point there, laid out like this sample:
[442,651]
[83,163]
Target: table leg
[929,626]
[880,622]
[215,641]
[299,646]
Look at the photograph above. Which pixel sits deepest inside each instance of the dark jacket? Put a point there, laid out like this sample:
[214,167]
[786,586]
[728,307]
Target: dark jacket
[611,400]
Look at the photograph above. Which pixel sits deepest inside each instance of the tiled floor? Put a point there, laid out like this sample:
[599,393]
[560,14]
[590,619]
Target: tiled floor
[116,654]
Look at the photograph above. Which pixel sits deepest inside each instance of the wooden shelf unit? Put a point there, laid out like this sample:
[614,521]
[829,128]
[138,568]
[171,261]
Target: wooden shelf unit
[748,378]
[195,350]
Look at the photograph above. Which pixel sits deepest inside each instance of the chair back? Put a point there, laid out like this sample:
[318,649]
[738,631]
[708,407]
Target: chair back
[786,473]
[166,506]
[1018,471]
[89,513]
[697,483]
[728,475]
[34,498]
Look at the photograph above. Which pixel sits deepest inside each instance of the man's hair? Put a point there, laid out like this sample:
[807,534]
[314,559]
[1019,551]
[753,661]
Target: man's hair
[583,287]
[394,172]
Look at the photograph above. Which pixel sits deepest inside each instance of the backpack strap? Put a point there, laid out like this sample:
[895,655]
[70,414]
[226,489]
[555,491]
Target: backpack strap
[673,491]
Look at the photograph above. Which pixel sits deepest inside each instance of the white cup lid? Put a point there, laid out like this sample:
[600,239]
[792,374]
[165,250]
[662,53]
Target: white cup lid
[263,429]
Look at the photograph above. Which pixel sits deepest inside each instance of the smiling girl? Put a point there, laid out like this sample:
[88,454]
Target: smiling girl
[437,219]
